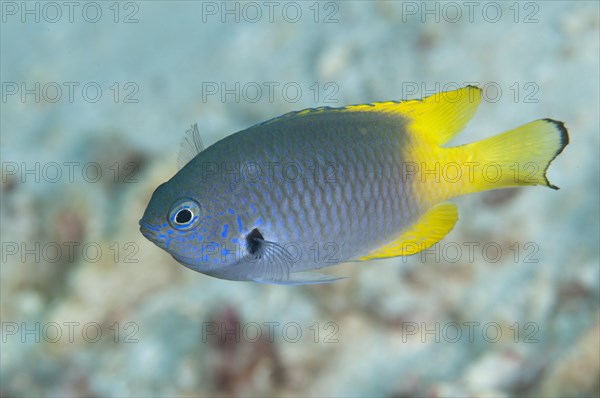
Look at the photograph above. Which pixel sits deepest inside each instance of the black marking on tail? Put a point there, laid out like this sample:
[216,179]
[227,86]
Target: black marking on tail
[564,141]
[253,241]
[564,134]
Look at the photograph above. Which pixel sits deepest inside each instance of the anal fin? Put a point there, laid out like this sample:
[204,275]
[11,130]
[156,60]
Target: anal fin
[302,278]
[428,230]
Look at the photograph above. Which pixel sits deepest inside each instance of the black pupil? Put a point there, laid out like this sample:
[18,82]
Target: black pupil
[184,216]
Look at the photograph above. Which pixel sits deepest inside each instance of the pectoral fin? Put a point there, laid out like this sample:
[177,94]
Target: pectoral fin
[430,229]
[271,263]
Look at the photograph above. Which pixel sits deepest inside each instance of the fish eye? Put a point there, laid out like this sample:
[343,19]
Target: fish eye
[185,214]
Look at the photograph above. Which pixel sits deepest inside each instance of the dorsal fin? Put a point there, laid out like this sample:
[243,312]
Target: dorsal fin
[430,229]
[437,118]
[191,145]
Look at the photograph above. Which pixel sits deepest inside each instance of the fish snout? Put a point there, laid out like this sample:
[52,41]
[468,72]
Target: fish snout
[148,230]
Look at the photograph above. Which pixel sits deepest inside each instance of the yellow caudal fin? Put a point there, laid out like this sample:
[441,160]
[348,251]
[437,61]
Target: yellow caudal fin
[428,230]
[518,157]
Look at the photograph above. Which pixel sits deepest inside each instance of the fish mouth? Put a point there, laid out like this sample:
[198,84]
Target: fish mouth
[148,230]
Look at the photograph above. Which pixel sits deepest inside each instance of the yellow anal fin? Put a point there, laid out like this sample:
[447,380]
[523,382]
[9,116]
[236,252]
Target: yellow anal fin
[430,229]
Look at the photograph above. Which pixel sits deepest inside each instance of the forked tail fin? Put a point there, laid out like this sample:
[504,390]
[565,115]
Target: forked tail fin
[518,157]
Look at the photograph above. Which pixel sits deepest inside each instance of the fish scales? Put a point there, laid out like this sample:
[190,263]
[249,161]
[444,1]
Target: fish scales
[343,166]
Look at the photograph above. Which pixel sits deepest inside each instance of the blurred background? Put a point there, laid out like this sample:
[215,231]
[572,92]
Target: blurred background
[96,97]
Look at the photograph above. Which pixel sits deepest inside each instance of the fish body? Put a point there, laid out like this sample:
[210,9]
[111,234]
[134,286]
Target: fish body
[318,187]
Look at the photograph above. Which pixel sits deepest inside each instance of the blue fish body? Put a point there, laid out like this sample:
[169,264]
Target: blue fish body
[324,186]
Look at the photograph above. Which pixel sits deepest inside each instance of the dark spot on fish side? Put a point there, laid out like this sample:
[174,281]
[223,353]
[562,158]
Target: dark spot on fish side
[253,241]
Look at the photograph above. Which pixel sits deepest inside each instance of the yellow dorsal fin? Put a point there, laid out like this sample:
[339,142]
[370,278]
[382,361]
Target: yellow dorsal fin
[439,117]
[430,229]
[435,119]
